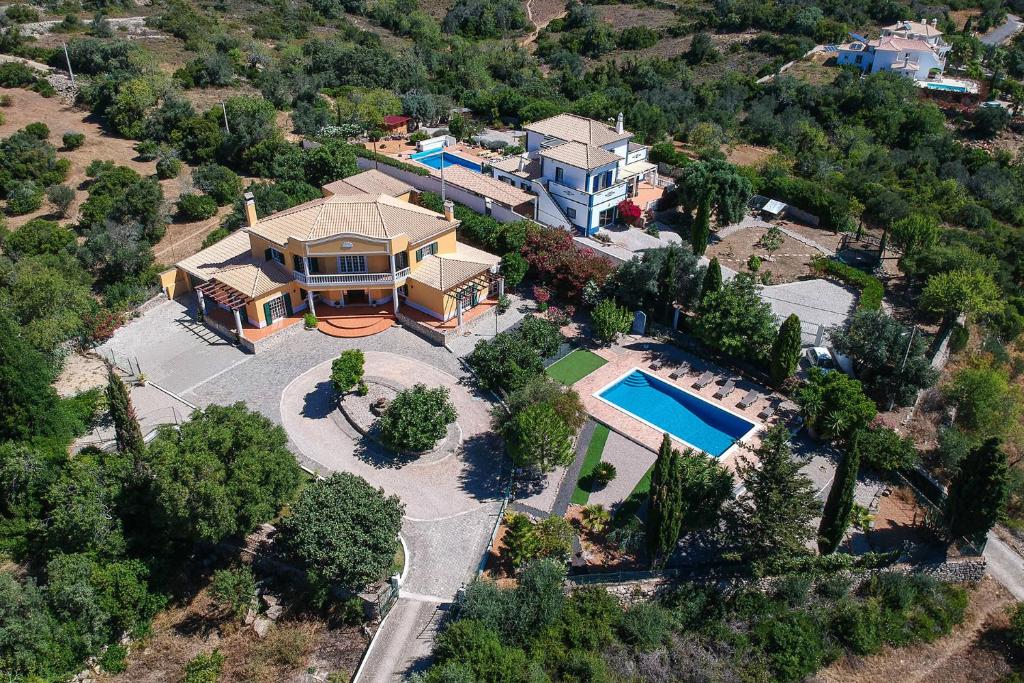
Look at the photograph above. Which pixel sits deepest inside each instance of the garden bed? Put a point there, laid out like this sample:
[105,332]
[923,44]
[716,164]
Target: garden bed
[358,412]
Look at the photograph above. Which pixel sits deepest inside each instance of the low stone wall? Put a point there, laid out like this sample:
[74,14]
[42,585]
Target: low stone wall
[966,571]
[425,331]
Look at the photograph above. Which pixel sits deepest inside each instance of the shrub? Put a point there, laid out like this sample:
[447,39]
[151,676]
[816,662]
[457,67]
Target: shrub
[220,182]
[886,451]
[73,140]
[61,197]
[645,626]
[113,659]
[204,668]
[608,320]
[234,589]
[215,236]
[347,370]
[168,167]
[23,196]
[603,474]
[417,418]
[1017,625]
[38,130]
[958,338]
[21,14]
[794,644]
[309,320]
[196,207]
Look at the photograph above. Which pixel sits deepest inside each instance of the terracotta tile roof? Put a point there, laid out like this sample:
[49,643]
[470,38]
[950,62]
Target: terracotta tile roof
[484,185]
[254,279]
[233,250]
[531,169]
[580,155]
[914,27]
[444,271]
[374,217]
[368,182]
[896,44]
[570,127]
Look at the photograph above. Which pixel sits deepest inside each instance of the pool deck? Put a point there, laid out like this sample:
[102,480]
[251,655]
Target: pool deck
[642,353]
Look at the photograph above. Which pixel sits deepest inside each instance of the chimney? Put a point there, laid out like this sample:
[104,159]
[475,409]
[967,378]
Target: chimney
[449,210]
[935,22]
[250,209]
[618,123]
[522,162]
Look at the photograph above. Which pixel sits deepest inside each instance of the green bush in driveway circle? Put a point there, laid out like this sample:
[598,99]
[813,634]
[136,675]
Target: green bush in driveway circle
[347,370]
[417,418]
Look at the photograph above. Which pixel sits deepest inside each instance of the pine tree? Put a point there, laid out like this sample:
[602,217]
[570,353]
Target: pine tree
[700,233]
[978,492]
[126,425]
[29,405]
[774,513]
[839,505]
[664,514]
[712,278]
[785,350]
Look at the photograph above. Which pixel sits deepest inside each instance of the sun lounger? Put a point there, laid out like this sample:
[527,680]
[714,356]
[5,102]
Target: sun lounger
[768,411]
[725,389]
[680,370]
[704,380]
[749,399]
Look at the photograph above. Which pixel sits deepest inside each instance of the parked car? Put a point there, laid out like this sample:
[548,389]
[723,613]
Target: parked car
[827,359]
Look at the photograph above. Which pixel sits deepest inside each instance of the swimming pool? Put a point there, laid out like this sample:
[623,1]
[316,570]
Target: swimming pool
[668,408]
[436,159]
[945,86]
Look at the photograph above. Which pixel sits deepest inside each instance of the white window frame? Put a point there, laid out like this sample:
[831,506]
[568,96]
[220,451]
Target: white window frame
[352,263]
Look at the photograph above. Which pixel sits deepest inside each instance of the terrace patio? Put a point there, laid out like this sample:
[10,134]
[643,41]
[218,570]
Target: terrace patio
[662,360]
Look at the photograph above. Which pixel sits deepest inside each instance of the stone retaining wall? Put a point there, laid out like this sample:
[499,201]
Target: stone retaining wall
[419,329]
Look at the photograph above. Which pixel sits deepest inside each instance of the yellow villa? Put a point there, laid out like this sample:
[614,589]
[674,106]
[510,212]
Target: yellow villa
[363,249]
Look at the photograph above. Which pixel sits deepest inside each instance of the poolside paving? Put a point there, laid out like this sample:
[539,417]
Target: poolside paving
[661,359]
[631,462]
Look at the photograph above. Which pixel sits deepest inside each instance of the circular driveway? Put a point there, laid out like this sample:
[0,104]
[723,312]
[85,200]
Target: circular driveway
[447,488]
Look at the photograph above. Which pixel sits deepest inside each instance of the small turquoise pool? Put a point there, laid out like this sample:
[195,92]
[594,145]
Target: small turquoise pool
[945,86]
[436,159]
[668,408]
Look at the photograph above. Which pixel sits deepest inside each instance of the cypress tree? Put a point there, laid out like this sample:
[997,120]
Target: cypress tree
[127,432]
[700,233]
[664,514]
[839,504]
[785,350]
[712,278]
[978,492]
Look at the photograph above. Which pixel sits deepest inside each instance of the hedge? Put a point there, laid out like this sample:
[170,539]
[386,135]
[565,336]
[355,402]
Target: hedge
[361,151]
[871,289]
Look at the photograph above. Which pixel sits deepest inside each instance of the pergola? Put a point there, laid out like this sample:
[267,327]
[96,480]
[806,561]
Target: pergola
[228,297]
[465,290]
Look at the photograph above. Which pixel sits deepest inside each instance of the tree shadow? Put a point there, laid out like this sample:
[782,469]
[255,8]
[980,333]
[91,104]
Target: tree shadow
[320,402]
[484,471]
[379,456]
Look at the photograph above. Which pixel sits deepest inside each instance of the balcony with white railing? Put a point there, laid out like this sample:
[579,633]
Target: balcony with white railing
[352,279]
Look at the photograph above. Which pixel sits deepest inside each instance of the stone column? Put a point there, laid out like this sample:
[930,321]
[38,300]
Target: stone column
[458,308]
[305,267]
[202,302]
[238,323]
[501,287]
[309,301]
[394,297]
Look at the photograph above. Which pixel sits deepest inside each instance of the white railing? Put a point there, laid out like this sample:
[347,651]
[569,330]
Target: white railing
[347,279]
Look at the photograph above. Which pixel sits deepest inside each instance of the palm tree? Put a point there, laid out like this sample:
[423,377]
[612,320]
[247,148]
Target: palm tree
[595,518]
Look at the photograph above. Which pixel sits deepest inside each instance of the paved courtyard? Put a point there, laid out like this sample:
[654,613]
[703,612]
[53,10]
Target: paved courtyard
[818,303]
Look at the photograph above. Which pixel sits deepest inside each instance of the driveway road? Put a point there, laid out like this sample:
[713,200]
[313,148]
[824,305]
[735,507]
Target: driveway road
[1005,566]
[1004,32]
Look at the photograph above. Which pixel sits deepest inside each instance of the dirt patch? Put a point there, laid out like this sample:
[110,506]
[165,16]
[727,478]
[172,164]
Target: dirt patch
[625,16]
[28,107]
[747,155]
[975,651]
[79,373]
[960,16]
[899,519]
[818,69]
[790,262]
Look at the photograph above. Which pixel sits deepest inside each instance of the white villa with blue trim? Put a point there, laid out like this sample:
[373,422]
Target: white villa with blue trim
[580,169]
[912,48]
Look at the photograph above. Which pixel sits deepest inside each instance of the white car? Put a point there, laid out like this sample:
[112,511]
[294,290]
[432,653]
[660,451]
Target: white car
[826,359]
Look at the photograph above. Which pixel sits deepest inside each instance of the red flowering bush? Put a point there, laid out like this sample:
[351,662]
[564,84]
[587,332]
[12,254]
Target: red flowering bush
[101,325]
[541,294]
[629,212]
[561,264]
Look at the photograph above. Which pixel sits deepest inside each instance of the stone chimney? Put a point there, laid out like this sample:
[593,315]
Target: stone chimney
[250,209]
[934,22]
[449,210]
[522,162]
[619,124]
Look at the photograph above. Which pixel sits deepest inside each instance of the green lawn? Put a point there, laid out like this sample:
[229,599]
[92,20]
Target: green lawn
[575,366]
[590,460]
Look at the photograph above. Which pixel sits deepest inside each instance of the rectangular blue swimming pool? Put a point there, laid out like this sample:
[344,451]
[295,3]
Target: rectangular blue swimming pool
[668,408]
[945,86]
[437,159]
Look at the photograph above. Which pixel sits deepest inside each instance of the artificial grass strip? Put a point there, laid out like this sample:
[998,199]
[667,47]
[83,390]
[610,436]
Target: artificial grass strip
[575,366]
[590,461]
